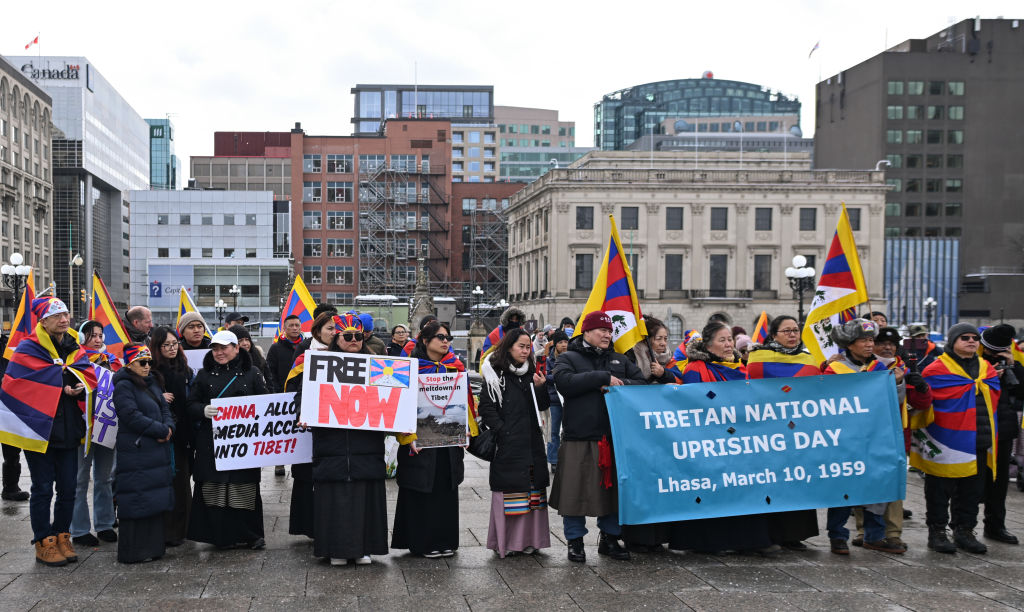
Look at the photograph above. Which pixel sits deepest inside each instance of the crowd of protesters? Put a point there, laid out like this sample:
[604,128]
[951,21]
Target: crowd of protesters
[541,405]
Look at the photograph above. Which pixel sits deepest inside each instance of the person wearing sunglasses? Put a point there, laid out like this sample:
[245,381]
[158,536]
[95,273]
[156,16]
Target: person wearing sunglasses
[145,457]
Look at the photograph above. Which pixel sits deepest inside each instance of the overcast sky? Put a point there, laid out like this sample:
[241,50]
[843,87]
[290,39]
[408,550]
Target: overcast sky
[261,66]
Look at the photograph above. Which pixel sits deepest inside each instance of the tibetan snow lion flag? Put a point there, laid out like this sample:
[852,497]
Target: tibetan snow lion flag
[299,303]
[101,308]
[24,320]
[840,287]
[615,294]
[185,304]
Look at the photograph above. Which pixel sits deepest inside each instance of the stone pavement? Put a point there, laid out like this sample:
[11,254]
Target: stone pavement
[286,576]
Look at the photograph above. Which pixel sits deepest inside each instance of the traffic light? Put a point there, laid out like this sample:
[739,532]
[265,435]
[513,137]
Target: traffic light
[83,295]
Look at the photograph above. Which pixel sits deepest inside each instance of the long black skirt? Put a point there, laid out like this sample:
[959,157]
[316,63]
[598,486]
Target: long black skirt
[300,513]
[140,539]
[653,534]
[350,519]
[794,526]
[428,522]
[738,533]
[176,521]
[226,525]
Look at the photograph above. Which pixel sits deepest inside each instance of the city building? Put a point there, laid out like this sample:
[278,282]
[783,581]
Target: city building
[26,189]
[479,255]
[208,241]
[470,108]
[943,113]
[715,238]
[100,152]
[163,163]
[784,143]
[532,141]
[706,105]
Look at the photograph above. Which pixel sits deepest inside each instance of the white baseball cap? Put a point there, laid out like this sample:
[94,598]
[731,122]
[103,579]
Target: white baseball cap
[224,337]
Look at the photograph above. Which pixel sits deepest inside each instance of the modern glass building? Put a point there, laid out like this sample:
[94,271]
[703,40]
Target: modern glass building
[920,268]
[623,116]
[163,163]
[463,103]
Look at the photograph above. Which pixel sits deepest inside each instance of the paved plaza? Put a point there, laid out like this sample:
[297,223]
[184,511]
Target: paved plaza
[286,576]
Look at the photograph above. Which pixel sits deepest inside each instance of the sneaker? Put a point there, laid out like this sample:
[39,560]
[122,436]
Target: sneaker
[886,545]
[447,553]
[577,554]
[529,550]
[47,553]
[86,540]
[839,546]
[964,538]
[258,544]
[434,554]
[339,561]
[65,547]
[107,535]
[364,560]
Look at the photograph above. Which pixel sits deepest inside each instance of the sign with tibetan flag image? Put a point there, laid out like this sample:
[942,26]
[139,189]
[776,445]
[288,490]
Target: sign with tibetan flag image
[840,288]
[615,294]
[359,391]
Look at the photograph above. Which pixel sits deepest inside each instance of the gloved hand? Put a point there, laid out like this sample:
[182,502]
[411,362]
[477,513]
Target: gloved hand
[209,411]
[915,380]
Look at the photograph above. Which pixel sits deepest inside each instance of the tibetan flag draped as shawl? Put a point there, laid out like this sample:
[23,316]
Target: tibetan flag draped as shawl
[944,439]
[32,388]
[713,371]
[766,363]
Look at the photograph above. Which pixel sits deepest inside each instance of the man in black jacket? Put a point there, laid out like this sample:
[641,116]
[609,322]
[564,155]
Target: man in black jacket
[192,330]
[138,323]
[281,355]
[582,487]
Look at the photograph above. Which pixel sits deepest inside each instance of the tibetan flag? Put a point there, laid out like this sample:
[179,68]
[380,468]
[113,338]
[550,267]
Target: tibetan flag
[490,341]
[615,294]
[840,288]
[680,353]
[766,363]
[32,387]
[24,320]
[185,304]
[713,371]
[1018,354]
[101,308]
[389,373]
[299,303]
[760,335]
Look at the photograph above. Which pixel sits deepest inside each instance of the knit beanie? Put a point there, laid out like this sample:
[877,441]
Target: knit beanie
[596,320]
[958,330]
[189,317]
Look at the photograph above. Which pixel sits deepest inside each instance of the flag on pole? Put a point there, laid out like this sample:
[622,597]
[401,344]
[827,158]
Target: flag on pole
[615,294]
[841,287]
[299,303]
[34,41]
[24,321]
[185,304]
[101,308]
[760,335]
[813,49]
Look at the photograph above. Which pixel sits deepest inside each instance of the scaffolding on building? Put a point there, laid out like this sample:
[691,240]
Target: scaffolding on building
[488,249]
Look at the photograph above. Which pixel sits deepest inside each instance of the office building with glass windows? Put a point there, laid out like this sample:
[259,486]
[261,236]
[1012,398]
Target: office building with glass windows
[163,163]
[533,141]
[706,104]
[942,116]
[100,149]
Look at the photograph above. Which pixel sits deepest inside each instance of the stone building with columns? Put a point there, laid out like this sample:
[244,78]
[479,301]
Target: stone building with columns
[706,234]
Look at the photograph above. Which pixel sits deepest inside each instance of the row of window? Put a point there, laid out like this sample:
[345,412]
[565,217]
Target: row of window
[165,252]
[929,232]
[336,220]
[336,247]
[470,204]
[229,219]
[930,209]
[472,137]
[717,272]
[914,185]
[27,232]
[535,142]
[935,160]
[918,88]
[459,152]
[343,164]
[336,275]
[955,137]
[955,113]
[629,218]
[473,166]
[525,128]
[224,291]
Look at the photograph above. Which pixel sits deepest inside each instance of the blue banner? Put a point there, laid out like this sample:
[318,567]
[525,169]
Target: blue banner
[744,447]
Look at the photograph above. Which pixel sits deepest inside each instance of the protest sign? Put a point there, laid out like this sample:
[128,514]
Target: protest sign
[744,447]
[195,358]
[359,391]
[442,412]
[104,423]
[259,430]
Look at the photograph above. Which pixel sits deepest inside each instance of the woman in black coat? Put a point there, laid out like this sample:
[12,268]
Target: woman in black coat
[512,397]
[145,458]
[226,507]
[169,362]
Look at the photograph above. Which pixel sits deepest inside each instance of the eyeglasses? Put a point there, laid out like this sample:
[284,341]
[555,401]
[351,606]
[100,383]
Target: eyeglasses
[789,331]
[144,362]
[350,337]
[170,345]
[444,338]
[970,337]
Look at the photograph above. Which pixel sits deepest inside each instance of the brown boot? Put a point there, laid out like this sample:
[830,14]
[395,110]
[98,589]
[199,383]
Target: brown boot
[48,554]
[65,547]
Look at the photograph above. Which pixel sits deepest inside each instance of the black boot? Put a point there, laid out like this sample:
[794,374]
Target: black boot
[11,490]
[609,545]
[1000,534]
[576,552]
[965,539]
[938,541]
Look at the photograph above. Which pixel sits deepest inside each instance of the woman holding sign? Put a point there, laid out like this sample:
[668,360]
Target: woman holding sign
[144,457]
[427,513]
[712,357]
[510,404]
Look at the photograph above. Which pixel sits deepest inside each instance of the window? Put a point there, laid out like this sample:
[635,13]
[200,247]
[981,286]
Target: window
[955,137]
[956,88]
[914,136]
[584,218]
[895,160]
[311,247]
[229,252]
[312,191]
[936,88]
[936,112]
[719,218]
[457,167]
[311,219]
[894,136]
[893,209]
[854,215]
[229,219]
[915,88]
[914,161]
[473,152]
[185,220]
[311,274]
[808,219]
[762,219]
[954,185]
[338,164]
[932,209]
[954,161]
[457,137]
[953,231]
[474,166]
[339,192]
[912,209]
[933,161]
[915,112]
[207,220]
[370,163]
[584,271]
[762,272]
[488,152]
[340,275]
[161,219]
[894,184]
[952,209]
[311,164]
[185,252]
[340,247]
[934,137]
[458,152]
[162,252]
[339,220]
[488,137]
[207,252]
[250,219]
[933,185]
[630,217]
[673,272]
[718,274]
[474,137]
[488,166]
[673,218]
[895,88]
[894,112]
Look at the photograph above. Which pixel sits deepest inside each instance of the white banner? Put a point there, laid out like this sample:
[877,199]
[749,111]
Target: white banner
[357,391]
[104,417]
[259,430]
[442,411]
[195,358]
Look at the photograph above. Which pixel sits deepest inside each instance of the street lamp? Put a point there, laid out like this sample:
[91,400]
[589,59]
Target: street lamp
[15,277]
[76,260]
[929,311]
[478,294]
[220,307]
[234,291]
[801,279]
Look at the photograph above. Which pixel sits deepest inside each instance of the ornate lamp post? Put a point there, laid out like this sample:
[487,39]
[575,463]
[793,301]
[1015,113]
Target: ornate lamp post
[220,307]
[235,290]
[75,261]
[801,279]
[15,276]
[478,295]
[929,311]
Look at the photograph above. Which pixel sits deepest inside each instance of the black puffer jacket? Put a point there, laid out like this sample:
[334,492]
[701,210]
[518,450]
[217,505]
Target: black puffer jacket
[580,372]
[236,378]
[144,472]
[177,382]
[521,447]
[68,429]
[280,357]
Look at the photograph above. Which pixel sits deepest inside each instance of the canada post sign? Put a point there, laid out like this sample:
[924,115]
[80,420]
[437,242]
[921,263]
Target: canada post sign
[358,391]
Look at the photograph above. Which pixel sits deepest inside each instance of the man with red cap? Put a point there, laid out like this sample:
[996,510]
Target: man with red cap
[585,477]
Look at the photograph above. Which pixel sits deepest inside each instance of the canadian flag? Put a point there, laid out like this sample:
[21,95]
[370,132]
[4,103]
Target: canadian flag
[34,41]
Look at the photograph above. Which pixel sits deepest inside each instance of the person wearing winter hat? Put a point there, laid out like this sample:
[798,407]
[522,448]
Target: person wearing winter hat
[585,483]
[372,342]
[558,343]
[997,349]
[952,451]
[512,317]
[192,331]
